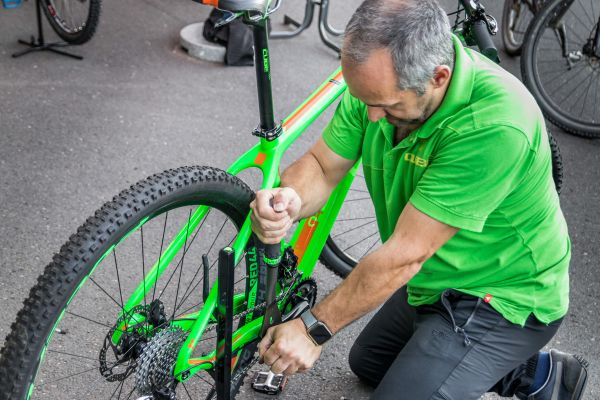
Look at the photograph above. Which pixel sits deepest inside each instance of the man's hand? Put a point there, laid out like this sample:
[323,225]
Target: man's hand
[287,349]
[273,213]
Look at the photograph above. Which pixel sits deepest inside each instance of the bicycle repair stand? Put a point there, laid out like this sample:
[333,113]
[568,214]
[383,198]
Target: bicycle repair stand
[40,44]
[224,323]
[275,383]
[309,12]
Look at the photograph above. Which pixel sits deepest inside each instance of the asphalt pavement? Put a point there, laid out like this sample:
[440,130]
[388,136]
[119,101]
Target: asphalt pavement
[74,133]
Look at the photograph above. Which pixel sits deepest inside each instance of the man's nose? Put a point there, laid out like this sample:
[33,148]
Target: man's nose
[375,113]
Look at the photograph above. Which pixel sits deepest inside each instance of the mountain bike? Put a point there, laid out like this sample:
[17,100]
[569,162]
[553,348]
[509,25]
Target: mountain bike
[130,305]
[560,64]
[516,17]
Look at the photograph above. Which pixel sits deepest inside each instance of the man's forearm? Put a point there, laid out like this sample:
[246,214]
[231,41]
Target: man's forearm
[306,177]
[371,283]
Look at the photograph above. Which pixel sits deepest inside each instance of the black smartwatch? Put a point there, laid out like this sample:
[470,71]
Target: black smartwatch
[317,330]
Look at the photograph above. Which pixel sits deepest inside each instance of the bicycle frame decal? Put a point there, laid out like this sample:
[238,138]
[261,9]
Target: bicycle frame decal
[306,233]
[330,85]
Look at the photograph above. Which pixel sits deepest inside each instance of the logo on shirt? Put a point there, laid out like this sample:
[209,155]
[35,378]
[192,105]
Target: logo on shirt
[414,159]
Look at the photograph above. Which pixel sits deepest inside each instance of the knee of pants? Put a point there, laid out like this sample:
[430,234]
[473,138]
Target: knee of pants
[355,358]
[358,359]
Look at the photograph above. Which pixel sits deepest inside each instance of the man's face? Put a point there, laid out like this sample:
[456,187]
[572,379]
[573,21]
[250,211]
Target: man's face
[375,83]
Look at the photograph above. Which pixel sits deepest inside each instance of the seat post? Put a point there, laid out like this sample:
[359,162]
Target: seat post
[262,65]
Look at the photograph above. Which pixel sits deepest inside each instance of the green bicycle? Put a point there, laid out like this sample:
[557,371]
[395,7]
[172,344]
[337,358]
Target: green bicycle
[129,305]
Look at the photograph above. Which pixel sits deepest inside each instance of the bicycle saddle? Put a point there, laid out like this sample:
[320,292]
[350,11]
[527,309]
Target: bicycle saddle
[243,5]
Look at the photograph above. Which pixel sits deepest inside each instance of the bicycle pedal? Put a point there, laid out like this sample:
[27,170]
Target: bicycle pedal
[269,383]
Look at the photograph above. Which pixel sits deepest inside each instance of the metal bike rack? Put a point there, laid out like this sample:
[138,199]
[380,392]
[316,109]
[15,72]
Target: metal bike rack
[309,12]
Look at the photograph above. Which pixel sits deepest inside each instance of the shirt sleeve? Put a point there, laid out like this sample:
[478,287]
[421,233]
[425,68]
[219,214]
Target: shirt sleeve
[345,132]
[472,174]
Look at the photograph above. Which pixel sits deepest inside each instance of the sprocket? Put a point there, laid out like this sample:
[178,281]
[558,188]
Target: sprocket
[155,365]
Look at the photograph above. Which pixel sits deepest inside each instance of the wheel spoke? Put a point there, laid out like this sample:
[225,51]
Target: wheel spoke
[89,319]
[162,241]
[353,229]
[182,263]
[72,355]
[202,279]
[118,278]
[119,386]
[186,391]
[359,199]
[143,265]
[370,247]
[362,240]
[68,376]
[353,219]
[587,92]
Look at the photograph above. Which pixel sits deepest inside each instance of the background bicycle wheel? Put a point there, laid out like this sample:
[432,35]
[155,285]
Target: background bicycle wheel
[75,133]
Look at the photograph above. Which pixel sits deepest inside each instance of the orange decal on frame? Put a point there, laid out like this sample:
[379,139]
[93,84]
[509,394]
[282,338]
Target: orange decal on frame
[305,235]
[292,119]
[260,158]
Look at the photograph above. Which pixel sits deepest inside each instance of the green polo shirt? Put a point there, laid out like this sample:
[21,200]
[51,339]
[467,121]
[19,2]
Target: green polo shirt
[480,163]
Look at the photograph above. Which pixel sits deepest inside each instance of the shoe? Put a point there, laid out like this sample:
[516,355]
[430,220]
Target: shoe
[566,380]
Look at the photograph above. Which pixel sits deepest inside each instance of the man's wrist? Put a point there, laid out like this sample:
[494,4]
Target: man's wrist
[317,330]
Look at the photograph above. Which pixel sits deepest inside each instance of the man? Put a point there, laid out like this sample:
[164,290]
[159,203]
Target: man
[473,270]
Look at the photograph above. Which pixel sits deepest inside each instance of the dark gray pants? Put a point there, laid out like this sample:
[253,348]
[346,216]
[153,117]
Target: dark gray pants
[456,349]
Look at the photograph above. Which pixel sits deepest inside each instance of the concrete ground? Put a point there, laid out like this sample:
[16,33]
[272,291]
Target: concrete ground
[74,133]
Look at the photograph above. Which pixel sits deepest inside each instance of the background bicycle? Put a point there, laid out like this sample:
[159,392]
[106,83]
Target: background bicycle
[559,42]
[138,84]
[75,21]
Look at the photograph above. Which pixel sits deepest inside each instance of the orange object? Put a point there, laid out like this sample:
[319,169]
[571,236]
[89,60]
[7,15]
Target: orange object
[214,3]
[305,235]
[300,112]
[260,158]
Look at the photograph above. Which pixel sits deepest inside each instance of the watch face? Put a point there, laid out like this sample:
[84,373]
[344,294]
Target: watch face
[320,333]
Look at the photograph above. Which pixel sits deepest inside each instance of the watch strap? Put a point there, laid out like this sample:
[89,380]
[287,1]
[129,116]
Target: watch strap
[309,319]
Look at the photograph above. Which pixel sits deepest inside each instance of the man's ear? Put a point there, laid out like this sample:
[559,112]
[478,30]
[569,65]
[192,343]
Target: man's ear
[441,75]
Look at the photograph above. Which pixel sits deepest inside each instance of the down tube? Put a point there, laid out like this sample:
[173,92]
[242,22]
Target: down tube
[310,236]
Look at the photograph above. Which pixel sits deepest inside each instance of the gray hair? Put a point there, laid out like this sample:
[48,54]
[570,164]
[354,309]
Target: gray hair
[416,33]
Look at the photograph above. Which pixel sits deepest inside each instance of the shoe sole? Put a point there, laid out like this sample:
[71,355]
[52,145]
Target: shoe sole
[582,381]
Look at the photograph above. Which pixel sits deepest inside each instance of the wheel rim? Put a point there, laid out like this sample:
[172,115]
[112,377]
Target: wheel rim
[70,15]
[569,85]
[70,367]
[355,232]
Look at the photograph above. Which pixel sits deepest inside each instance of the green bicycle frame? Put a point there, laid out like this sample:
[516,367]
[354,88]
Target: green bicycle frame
[307,240]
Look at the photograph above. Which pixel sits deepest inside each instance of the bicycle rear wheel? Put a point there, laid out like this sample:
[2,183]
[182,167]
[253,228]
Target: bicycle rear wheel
[561,65]
[75,21]
[354,234]
[60,345]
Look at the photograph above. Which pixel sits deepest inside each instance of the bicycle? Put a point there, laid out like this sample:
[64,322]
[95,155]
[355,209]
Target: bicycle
[516,17]
[145,334]
[74,21]
[561,64]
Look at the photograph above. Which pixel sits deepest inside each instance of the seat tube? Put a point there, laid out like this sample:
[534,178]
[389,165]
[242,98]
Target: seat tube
[262,65]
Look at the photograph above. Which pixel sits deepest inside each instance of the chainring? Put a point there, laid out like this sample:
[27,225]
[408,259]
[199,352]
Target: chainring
[306,290]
